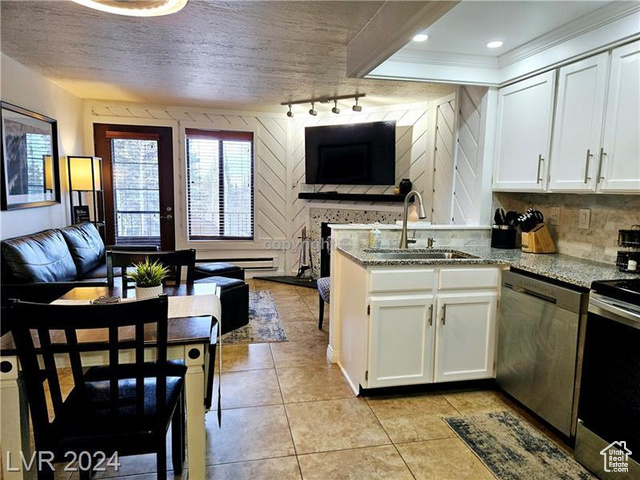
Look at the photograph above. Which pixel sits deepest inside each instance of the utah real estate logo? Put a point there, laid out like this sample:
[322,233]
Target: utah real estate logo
[616,457]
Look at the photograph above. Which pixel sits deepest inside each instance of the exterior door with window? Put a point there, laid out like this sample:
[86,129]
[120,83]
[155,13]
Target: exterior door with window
[138,184]
[220,203]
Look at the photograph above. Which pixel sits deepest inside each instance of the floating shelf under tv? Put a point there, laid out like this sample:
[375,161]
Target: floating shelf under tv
[354,197]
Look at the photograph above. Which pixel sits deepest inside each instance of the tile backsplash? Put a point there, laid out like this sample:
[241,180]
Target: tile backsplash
[609,213]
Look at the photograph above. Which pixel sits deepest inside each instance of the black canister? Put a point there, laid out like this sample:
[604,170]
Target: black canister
[405,186]
[503,236]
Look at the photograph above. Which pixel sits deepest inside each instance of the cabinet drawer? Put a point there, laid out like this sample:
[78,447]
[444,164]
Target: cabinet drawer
[459,278]
[401,280]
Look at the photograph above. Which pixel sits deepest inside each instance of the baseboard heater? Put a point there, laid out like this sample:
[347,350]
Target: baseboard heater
[264,263]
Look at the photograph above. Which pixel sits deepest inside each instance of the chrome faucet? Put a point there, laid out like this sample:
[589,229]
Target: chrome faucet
[404,241]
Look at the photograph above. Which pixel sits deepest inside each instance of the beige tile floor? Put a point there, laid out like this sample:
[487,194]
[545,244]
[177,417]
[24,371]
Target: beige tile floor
[289,414]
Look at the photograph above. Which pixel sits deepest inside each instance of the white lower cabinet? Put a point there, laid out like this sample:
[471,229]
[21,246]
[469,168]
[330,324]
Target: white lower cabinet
[400,340]
[465,336]
[446,333]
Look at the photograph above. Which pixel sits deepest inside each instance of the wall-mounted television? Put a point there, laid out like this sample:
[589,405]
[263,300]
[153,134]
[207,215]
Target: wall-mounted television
[357,154]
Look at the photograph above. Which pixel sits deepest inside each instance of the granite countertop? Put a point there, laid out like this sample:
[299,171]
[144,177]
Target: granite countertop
[571,270]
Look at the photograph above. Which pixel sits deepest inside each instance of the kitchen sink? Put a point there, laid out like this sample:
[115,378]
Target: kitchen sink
[417,255]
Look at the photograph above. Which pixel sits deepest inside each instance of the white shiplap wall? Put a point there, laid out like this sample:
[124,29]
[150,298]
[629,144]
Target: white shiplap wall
[279,150]
[443,159]
[463,156]
[471,175]
[411,157]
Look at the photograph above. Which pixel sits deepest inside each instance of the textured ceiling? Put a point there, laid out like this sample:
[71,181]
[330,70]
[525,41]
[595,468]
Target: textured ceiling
[250,55]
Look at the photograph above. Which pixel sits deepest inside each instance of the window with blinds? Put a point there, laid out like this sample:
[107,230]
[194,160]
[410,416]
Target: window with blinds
[38,148]
[219,185]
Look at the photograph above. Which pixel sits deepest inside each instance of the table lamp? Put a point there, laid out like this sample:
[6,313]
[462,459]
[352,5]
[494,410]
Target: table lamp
[85,178]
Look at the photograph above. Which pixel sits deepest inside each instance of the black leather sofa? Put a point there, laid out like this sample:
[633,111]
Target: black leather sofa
[43,266]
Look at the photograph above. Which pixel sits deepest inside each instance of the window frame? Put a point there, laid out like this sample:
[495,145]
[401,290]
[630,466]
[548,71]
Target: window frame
[242,134]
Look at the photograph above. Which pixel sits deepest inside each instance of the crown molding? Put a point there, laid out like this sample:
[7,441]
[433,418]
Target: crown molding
[592,21]
[416,56]
[188,113]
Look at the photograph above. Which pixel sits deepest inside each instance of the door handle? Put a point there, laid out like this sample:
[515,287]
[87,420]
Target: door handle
[430,315]
[540,160]
[444,315]
[166,217]
[586,168]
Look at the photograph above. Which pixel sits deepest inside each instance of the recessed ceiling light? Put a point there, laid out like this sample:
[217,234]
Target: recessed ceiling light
[135,8]
[495,44]
[421,37]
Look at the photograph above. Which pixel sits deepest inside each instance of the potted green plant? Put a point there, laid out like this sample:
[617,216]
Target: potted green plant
[148,277]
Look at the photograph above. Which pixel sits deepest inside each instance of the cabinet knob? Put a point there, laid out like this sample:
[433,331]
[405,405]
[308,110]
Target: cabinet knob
[444,315]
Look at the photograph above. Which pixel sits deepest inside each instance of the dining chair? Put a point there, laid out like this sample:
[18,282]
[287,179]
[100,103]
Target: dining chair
[176,261]
[324,293]
[120,261]
[123,407]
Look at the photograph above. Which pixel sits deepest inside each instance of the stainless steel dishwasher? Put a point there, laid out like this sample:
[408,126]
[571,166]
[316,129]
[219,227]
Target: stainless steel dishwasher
[540,344]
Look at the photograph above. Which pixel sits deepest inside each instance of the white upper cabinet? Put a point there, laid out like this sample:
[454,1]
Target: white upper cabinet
[620,168]
[525,112]
[578,125]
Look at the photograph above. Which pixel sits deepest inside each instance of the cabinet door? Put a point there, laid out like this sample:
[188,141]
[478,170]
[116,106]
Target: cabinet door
[523,138]
[465,336]
[578,124]
[620,157]
[400,340]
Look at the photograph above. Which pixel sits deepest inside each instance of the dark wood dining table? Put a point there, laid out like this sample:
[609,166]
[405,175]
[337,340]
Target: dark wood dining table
[189,338]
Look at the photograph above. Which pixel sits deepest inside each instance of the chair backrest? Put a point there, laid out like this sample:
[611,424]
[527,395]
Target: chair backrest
[59,331]
[175,261]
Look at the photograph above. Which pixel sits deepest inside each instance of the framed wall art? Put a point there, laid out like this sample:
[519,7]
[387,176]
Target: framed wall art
[30,164]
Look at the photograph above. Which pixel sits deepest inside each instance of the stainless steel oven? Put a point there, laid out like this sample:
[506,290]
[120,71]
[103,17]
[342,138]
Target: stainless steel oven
[609,407]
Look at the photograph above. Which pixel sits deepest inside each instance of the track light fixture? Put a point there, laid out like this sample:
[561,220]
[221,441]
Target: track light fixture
[334,99]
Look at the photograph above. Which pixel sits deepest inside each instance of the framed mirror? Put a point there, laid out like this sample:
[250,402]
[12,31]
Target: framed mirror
[30,173]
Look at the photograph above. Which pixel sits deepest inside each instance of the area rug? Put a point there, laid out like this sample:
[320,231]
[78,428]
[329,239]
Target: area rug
[513,450]
[264,322]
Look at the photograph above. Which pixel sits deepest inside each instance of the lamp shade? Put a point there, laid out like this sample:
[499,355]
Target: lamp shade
[85,173]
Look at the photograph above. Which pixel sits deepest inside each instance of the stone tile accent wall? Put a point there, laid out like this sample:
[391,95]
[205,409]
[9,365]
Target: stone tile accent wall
[333,215]
[609,213]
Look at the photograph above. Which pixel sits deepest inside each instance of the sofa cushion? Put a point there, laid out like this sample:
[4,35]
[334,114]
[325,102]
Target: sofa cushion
[40,257]
[85,245]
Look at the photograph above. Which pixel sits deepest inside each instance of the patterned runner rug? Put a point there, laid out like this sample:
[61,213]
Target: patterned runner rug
[264,322]
[514,450]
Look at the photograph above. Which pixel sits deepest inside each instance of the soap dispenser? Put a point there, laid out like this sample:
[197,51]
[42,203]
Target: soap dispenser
[413,214]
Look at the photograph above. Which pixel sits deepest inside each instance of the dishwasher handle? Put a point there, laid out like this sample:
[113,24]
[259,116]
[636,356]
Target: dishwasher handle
[538,295]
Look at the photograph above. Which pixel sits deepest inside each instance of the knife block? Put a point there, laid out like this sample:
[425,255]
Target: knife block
[538,240]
